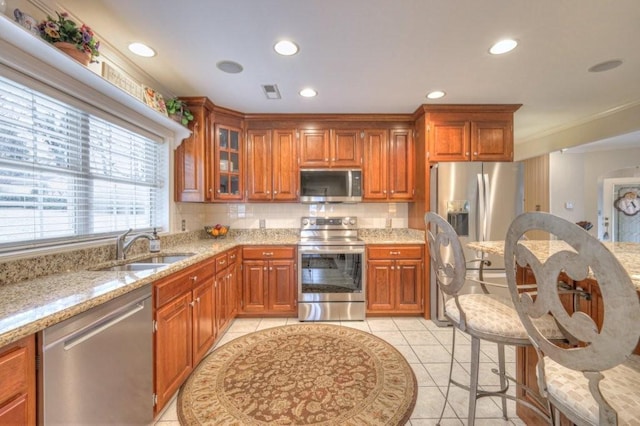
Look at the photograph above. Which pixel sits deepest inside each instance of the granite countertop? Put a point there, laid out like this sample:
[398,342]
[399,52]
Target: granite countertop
[628,254]
[30,305]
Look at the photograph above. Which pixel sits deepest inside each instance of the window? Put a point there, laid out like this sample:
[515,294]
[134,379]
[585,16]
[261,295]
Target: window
[67,174]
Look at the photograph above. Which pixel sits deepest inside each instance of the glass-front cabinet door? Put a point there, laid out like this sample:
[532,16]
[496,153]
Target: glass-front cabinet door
[228,164]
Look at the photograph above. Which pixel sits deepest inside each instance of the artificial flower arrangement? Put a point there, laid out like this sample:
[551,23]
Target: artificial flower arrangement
[65,30]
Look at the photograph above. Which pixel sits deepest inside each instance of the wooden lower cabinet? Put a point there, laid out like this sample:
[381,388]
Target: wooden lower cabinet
[395,279]
[18,382]
[269,280]
[184,327]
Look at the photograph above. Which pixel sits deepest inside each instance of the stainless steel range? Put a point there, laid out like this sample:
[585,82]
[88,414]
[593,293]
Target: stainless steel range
[331,261]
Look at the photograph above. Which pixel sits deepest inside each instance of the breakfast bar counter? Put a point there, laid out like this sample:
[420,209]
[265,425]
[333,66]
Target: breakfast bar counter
[628,254]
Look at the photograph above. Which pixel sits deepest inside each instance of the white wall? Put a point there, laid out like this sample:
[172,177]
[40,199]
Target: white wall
[287,215]
[578,177]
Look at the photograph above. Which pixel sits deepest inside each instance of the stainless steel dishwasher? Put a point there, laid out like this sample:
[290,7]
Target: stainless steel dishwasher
[96,367]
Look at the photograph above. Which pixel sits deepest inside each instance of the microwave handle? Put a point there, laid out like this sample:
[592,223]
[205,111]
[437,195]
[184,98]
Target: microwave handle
[349,184]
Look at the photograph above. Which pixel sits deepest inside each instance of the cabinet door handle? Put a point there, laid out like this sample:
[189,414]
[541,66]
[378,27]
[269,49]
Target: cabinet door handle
[193,303]
[194,278]
[233,256]
[268,192]
[275,192]
[475,153]
[210,189]
[466,153]
[198,300]
[393,267]
[392,191]
[326,159]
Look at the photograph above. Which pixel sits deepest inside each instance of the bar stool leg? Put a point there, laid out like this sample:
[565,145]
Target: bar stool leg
[473,386]
[503,379]
[446,395]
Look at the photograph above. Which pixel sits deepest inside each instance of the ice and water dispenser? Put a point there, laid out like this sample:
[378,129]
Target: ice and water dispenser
[458,216]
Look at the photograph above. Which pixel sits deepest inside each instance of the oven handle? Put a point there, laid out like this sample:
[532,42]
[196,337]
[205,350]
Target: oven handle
[331,249]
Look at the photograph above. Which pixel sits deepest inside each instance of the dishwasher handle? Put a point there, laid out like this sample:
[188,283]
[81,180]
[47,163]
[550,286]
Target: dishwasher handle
[98,328]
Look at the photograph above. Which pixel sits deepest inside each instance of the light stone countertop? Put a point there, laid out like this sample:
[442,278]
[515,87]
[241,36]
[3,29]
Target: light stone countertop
[628,254]
[29,306]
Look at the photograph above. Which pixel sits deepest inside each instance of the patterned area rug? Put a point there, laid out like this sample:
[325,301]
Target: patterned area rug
[307,374]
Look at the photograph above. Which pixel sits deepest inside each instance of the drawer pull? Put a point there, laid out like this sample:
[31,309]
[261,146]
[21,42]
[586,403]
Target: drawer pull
[194,278]
[267,253]
[222,262]
[394,253]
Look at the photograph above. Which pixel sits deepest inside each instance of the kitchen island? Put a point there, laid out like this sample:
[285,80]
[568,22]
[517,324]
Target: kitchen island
[628,254]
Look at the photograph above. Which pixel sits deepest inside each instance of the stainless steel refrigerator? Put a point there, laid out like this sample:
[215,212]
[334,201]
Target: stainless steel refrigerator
[480,200]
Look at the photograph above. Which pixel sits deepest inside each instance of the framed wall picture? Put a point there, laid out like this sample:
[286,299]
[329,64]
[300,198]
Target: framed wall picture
[155,100]
[122,80]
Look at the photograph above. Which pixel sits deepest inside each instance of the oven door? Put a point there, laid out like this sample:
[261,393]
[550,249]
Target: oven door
[331,273]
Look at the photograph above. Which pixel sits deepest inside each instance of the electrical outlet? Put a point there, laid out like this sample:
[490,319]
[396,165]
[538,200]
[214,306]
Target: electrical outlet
[263,223]
[183,225]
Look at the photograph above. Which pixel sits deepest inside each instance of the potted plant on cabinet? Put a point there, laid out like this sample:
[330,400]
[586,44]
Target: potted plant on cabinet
[179,111]
[77,42]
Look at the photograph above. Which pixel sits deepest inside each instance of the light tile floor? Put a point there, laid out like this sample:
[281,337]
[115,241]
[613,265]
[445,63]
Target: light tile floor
[426,348]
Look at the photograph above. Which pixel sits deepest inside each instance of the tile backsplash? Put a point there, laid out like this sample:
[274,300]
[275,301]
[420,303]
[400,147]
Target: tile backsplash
[287,215]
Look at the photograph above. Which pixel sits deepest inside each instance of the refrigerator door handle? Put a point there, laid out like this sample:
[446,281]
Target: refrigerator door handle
[487,209]
[480,211]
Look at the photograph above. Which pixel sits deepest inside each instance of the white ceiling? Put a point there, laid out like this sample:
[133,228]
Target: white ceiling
[383,56]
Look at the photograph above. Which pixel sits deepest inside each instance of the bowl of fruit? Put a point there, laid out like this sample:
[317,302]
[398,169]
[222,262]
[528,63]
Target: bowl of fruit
[217,231]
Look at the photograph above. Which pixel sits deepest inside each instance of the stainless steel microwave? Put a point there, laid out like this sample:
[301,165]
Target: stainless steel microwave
[330,185]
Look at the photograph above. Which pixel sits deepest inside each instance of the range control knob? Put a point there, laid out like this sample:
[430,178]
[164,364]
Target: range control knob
[305,221]
[345,221]
[313,221]
[352,221]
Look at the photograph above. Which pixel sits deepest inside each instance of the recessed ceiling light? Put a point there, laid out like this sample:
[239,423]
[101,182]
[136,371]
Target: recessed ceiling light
[308,92]
[142,49]
[606,65]
[286,48]
[503,46]
[436,94]
[229,67]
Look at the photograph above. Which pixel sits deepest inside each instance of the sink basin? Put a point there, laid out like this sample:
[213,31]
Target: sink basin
[167,258]
[134,267]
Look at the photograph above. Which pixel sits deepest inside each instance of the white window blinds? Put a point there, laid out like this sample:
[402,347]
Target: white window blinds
[69,175]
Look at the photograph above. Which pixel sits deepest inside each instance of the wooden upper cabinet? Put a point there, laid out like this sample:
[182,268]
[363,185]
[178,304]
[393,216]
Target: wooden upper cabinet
[272,166]
[401,164]
[470,132]
[190,156]
[330,148]
[492,140]
[376,159]
[389,165]
[346,148]
[227,163]
[314,148]
[259,165]
[286,178]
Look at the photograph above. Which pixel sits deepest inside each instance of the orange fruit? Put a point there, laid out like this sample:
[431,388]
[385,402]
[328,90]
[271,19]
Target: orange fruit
[215,232]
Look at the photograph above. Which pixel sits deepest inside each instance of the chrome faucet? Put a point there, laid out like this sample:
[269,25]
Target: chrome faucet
[122,246]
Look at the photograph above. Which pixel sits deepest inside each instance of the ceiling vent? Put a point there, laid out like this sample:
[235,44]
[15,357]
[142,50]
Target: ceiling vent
[271,91]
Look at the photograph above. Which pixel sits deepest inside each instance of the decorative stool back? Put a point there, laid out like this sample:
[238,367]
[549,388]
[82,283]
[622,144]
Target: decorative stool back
[597,380]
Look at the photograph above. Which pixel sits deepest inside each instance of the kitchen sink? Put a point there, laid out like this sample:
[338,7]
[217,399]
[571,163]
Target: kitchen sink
[155,261]
[134,267]
[167,258]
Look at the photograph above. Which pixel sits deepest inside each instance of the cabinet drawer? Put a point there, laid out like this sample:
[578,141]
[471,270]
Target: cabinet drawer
[394,252]
[14,372]
[268,252]
[175,285]
[222,261]
[233,255]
